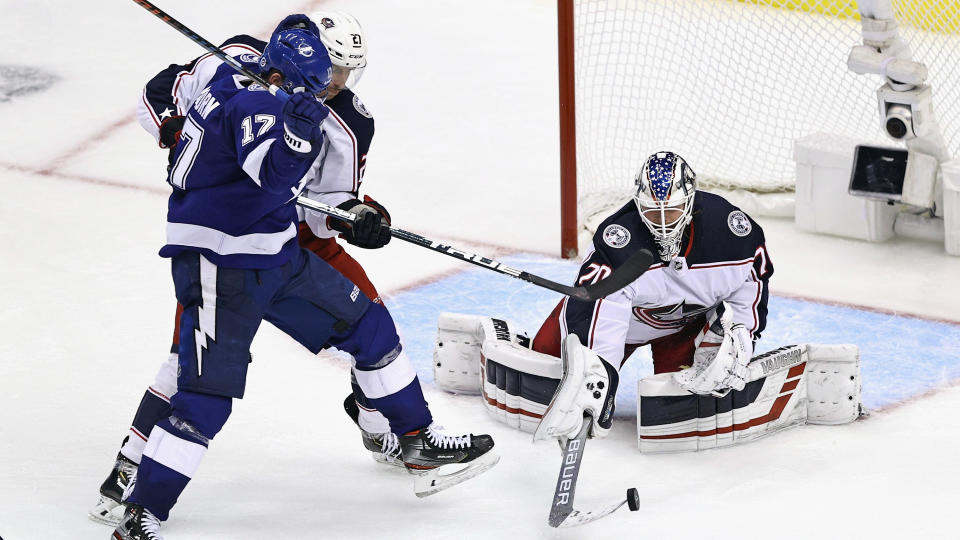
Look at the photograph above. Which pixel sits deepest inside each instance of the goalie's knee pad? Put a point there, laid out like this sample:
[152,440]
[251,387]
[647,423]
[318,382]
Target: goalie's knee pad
[457,352]
[792,385]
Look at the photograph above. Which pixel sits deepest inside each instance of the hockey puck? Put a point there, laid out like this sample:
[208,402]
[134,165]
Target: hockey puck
[633,499]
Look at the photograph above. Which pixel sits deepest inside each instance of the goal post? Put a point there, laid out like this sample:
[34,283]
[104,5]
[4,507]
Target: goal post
[569,229]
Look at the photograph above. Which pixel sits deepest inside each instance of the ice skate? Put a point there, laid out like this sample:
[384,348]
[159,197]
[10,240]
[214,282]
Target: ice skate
[138,524]
[109,509]
[441,461]
[384,447]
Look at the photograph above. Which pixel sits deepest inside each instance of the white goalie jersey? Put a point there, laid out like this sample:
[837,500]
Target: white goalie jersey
[724,259]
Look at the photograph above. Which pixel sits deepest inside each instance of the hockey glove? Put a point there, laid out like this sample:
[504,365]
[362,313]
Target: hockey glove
[369,201]
[371,230]
[298,20]
[302,116]
[720,360]
[170,130]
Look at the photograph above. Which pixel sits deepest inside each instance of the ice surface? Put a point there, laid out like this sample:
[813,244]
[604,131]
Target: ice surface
[464,96]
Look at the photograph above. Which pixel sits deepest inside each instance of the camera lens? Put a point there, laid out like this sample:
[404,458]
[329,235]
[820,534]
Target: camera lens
[896,128]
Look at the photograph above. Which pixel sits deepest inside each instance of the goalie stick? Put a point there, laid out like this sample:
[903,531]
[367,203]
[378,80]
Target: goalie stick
[625,274]
[562,512]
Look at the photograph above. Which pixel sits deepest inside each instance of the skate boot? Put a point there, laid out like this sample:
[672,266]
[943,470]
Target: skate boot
[109,509]
[138,524]
[441,461]
[384,447]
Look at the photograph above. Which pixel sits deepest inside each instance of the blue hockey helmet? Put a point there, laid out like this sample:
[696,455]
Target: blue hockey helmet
[301,58]
[666,186]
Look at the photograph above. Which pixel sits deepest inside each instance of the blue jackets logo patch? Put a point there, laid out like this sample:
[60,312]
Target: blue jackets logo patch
[739,223]
[616,236]
[359,106]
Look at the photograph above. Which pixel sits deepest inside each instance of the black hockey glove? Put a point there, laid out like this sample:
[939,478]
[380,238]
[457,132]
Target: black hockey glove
[369,201]
[170,130]
[370,230]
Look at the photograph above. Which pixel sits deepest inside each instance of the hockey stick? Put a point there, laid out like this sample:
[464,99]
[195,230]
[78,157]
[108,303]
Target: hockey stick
[562,512]
[625,274]
[633,268]
[211,48]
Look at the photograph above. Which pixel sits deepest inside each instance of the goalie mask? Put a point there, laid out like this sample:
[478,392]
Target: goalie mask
[666,186]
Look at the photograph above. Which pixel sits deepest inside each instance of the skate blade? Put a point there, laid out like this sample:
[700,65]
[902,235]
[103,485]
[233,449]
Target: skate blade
[381,458]
[446,476]
[107,511]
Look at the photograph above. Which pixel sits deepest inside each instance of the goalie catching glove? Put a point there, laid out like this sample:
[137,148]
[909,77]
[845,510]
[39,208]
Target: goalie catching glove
[588,388]
[720,360]
[371,229]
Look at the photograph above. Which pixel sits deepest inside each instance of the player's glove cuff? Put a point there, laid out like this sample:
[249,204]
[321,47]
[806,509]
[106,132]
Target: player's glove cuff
[298,145]
[170,130]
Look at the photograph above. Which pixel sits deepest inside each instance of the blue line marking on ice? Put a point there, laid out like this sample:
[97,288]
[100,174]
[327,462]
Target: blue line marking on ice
[901,357]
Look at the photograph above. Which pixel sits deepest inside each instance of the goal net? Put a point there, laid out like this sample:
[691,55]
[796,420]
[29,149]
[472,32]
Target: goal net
[729,85]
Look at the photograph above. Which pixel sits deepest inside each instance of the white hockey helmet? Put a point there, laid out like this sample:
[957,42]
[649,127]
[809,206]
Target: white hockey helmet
[666,186]
[341,33]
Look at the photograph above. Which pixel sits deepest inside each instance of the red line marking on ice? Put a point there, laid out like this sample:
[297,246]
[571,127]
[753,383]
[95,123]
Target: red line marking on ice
[87,144]
[915,398]
[84,179]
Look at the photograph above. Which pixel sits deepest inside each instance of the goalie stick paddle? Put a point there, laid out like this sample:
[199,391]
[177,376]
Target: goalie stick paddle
[562,512]
[625,274]
[633,268]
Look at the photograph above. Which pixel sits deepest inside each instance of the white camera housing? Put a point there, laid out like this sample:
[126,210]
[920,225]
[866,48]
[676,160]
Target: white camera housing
[906,114]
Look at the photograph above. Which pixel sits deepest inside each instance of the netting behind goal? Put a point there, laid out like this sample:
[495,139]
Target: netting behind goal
[730,84]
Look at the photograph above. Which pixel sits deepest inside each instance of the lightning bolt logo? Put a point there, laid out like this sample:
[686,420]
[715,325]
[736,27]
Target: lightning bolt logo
[207,312]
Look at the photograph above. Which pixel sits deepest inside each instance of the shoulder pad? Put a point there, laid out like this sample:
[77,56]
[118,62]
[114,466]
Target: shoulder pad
[723,231]
[622,234]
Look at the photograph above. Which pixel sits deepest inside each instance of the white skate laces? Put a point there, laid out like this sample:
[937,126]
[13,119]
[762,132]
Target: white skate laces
[442,440]
[150,524]
[131,482]
[390,445]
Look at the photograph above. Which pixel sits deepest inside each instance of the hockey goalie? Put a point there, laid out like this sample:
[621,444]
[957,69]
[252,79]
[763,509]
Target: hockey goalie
[700,308]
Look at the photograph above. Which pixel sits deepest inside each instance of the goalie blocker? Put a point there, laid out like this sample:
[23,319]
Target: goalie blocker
[789,386]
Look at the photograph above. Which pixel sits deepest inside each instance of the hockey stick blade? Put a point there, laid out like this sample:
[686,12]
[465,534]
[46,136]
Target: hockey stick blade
[625,274]
[562,512]
[576,517]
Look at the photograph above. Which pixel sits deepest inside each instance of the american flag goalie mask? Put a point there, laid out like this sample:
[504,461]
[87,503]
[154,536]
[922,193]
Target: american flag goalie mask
[666,186]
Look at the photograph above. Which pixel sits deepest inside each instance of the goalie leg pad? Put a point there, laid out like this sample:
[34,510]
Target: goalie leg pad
[833,384]
[792,385]
[518,383]
[457,354]
[671,419]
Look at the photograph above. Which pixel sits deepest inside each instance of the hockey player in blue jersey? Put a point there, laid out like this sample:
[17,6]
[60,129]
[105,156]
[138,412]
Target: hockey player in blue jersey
[231,237]
[335,178]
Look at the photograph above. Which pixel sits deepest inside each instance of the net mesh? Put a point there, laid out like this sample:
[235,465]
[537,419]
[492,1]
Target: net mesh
[730,84]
